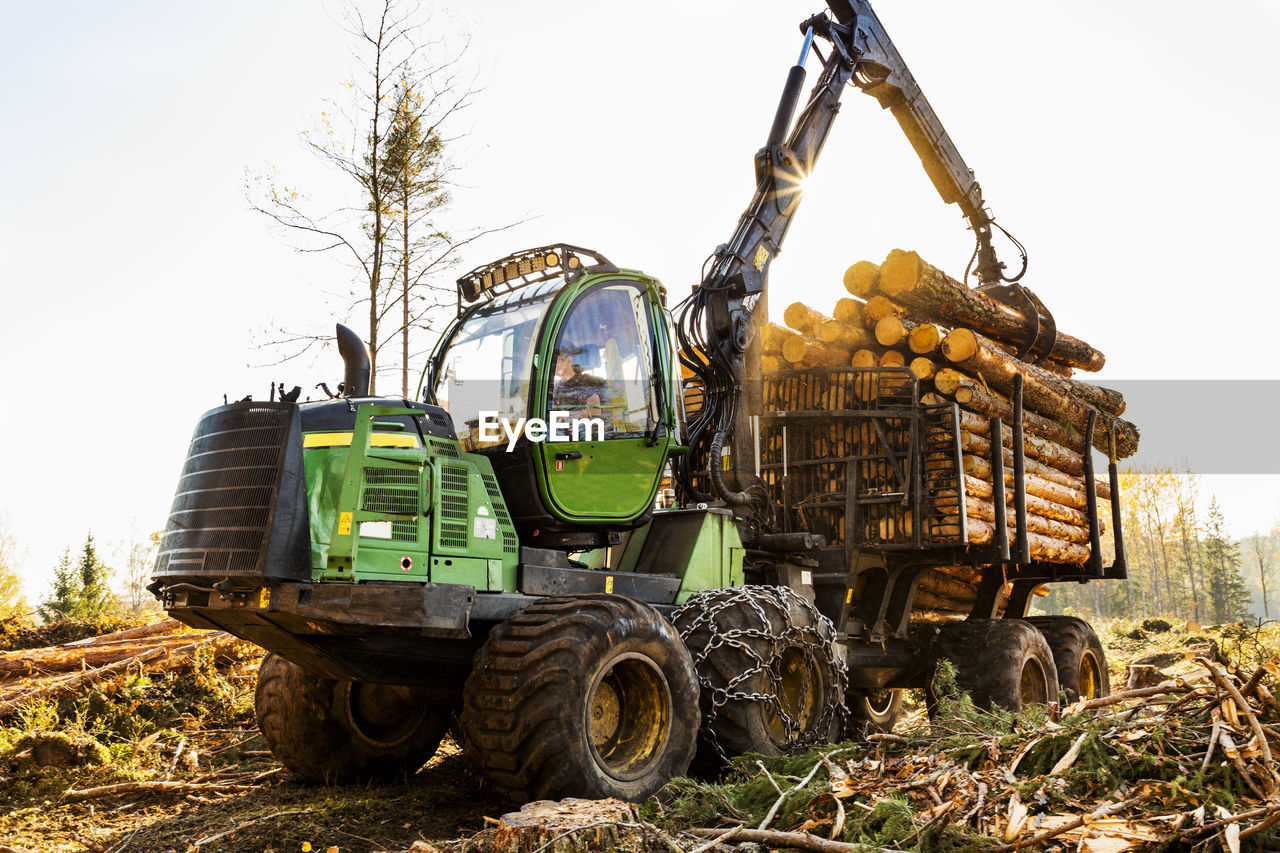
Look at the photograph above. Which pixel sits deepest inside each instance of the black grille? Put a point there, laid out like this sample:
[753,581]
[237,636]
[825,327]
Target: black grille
[225,513]
[453,506]
[510,542]
[445,448]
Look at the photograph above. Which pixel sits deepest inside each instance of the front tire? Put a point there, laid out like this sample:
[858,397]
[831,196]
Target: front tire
[586,696]
[771,682]
[331,731]
[1078,655]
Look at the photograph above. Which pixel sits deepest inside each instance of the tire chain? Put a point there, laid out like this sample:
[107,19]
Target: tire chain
[705,606]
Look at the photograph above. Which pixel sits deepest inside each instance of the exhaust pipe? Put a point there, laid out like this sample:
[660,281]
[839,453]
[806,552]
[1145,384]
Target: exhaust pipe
[355,357]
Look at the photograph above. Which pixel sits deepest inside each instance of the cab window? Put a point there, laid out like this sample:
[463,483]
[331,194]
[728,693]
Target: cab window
[603,362]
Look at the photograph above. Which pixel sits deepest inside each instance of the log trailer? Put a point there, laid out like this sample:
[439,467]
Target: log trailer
[490,557]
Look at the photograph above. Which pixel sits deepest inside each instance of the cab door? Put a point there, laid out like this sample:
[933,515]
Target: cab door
[600,395]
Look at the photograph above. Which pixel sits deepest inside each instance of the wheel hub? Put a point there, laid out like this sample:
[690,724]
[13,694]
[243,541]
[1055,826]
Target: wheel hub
[629,716]
[1032,689]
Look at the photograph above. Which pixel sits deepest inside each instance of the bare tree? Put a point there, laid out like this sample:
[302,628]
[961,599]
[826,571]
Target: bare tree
[12,600]
[1260,551]
[137,556]
[389,143]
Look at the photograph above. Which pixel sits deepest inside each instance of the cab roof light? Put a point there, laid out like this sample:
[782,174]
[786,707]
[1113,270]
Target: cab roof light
[527,267]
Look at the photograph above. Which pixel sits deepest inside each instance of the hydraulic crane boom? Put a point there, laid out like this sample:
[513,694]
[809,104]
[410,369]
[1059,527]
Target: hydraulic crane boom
[716,322]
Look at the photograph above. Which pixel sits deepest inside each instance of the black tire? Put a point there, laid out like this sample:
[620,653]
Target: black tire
[751,644]
[585,696]
[1078,655]
[875,711]
[340,731]
[1004,662]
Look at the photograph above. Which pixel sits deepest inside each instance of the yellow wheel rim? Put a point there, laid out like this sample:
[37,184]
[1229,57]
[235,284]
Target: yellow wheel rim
[1090,686]
[629,716]
[799,691]
[1032,689]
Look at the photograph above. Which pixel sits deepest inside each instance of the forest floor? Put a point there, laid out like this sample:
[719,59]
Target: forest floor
[1140,769]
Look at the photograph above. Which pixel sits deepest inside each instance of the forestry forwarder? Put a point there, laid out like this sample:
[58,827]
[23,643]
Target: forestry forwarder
[404,569]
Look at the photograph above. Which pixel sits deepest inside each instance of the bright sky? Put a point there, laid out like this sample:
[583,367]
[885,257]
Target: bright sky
[1130,151]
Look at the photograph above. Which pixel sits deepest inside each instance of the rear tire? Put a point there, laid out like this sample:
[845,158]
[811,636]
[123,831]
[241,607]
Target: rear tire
[1078,655]
[770,680]
[1004,662]
[875,711]
[585,696]
[339,731]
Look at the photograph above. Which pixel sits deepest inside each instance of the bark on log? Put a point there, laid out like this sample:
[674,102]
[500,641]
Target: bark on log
[803,352]
[974,487]
[891,331]
[978,464]
[985,510]
[801,317]
[928,600]
[861,279]
[934,295]
[879,307]
[842,335]
[978,456]
[1048,452]
[29,662]
[1043,548]
[851,312]
[164,626]
[972,395]
[978,356]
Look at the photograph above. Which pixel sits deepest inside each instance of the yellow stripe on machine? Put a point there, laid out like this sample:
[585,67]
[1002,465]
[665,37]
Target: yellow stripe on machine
[343,439]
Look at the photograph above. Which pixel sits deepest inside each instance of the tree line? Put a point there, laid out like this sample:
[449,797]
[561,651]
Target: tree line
[1182,563]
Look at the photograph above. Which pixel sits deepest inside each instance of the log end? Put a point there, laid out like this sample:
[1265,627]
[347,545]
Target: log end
[960,345]
[861,278]
[900,272]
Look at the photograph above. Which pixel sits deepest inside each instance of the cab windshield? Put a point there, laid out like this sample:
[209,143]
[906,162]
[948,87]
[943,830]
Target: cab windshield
[489,362]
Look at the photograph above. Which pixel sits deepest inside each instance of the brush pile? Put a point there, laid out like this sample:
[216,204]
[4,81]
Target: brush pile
[1191,763]
[963,346]
[65,670]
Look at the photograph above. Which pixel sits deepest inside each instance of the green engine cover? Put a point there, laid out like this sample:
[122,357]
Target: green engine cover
[384,507]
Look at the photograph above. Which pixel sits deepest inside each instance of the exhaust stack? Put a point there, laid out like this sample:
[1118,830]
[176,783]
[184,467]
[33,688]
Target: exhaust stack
[355,357]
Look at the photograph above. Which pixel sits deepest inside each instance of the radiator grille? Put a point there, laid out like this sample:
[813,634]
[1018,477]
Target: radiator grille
[510,542]
[453,506]
[221,515]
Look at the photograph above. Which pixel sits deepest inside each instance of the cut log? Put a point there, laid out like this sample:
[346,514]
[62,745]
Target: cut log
[772,337]
[851,312]
[891,331]
[983,509]
[770,363]
[925,338]
[892,358]
[879,307]
[842,335]
[865,357]
[979,447]
[1043,548]
[934,295]
[164,626]
[1043,507]
[923,368]
[801,317]
[974,395]
[68,658]
[1050,453]
[803,352]
[978,356]
[861,278]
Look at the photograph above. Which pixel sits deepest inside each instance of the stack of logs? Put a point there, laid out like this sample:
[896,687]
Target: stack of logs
[962,345]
